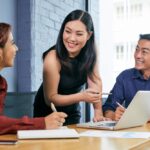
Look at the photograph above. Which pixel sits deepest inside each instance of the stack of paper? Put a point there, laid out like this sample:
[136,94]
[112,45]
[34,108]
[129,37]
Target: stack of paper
[115,134]
[40,134]
[8,141]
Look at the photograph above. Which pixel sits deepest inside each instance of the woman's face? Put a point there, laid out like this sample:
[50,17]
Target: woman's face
[8,53]
[75,37]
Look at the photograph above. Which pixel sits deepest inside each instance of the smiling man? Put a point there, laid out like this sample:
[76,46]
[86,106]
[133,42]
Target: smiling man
[130,81]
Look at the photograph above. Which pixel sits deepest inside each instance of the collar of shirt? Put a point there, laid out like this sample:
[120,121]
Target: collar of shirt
[138,74]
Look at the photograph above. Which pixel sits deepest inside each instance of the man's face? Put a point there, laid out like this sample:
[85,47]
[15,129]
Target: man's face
[142,55]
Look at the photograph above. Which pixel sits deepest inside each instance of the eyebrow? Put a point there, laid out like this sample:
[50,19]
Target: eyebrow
[146,49]
[76,31]
[143,48]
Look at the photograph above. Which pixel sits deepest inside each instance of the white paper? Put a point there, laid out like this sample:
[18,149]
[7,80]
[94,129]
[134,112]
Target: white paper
[40,134]
[115,134]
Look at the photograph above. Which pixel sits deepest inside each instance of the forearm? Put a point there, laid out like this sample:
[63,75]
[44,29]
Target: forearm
[109,114]
[98,108]
[63,100]
[97,105]
[11,125]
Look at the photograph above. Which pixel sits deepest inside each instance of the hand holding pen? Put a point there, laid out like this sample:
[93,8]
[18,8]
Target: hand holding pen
[103,93]
[55,119]
[120,105]
[91,95]
[119,111]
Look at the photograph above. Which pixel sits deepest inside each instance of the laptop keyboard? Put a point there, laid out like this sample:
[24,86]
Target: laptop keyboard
[103,123]
[96,124]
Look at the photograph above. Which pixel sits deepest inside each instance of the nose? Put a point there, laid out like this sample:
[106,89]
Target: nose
[138,54]
[72,37]
[16,47]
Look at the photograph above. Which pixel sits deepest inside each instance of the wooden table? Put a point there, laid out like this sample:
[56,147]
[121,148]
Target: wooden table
[83,143]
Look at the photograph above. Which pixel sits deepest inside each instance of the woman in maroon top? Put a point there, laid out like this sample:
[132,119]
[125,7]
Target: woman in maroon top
[8,51]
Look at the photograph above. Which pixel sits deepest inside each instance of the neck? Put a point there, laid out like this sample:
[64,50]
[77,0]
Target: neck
[1,68]
[146,75]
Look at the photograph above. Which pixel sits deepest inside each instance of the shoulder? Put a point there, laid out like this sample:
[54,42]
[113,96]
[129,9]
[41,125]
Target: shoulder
[127,73]
[51,60]
[3,83]
[50,57]
[2,80]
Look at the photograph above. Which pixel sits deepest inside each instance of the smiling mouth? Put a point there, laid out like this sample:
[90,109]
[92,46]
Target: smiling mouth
[139,62]
[71,45]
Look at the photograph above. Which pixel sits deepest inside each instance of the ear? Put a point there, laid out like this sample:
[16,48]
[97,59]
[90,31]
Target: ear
[89,35]
[1,52]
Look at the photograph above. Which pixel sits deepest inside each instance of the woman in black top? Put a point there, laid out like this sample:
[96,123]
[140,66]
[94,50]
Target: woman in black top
[68,66]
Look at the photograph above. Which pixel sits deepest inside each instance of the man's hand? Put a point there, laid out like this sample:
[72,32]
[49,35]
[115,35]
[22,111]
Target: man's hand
[119,112]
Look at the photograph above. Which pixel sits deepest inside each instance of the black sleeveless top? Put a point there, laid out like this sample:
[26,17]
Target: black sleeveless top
[71,81]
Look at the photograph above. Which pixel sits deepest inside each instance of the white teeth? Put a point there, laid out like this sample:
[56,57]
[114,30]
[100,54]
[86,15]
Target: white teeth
[71,44]
[139,62]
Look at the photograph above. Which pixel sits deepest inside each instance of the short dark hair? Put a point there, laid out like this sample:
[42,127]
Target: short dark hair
[144,37]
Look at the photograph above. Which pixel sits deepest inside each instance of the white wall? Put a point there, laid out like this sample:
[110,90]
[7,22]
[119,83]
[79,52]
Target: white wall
[106,44]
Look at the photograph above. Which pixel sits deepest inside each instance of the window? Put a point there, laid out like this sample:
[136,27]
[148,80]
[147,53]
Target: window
[121,22]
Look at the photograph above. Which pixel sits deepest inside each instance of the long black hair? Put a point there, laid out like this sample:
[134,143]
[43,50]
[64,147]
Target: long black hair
[87,56]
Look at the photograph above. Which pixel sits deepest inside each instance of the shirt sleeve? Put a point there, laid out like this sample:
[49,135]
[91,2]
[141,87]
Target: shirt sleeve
[11,125]
[116,96]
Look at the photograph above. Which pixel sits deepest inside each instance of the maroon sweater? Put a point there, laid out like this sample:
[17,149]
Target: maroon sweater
[11,125]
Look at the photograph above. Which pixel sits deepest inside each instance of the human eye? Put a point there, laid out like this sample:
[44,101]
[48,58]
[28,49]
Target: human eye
[67,31]
[13,42]
[145,51]
[79,34]
[136,49]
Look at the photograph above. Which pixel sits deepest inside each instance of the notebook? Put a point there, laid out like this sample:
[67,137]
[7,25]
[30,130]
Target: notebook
[137,114]
[50,134]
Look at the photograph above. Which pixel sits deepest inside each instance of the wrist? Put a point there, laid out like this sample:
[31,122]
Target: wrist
[80,96]
[97,105]
[98,111]
[109,114]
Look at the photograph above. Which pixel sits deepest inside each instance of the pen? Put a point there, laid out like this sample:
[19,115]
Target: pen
[53,107]
[120,105]
[106,93]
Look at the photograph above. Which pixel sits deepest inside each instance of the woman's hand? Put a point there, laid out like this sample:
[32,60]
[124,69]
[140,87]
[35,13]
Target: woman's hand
[98,116]
[91,95]
[55,120]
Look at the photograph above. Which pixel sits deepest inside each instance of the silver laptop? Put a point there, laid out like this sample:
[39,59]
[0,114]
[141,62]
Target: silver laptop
[137,114]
